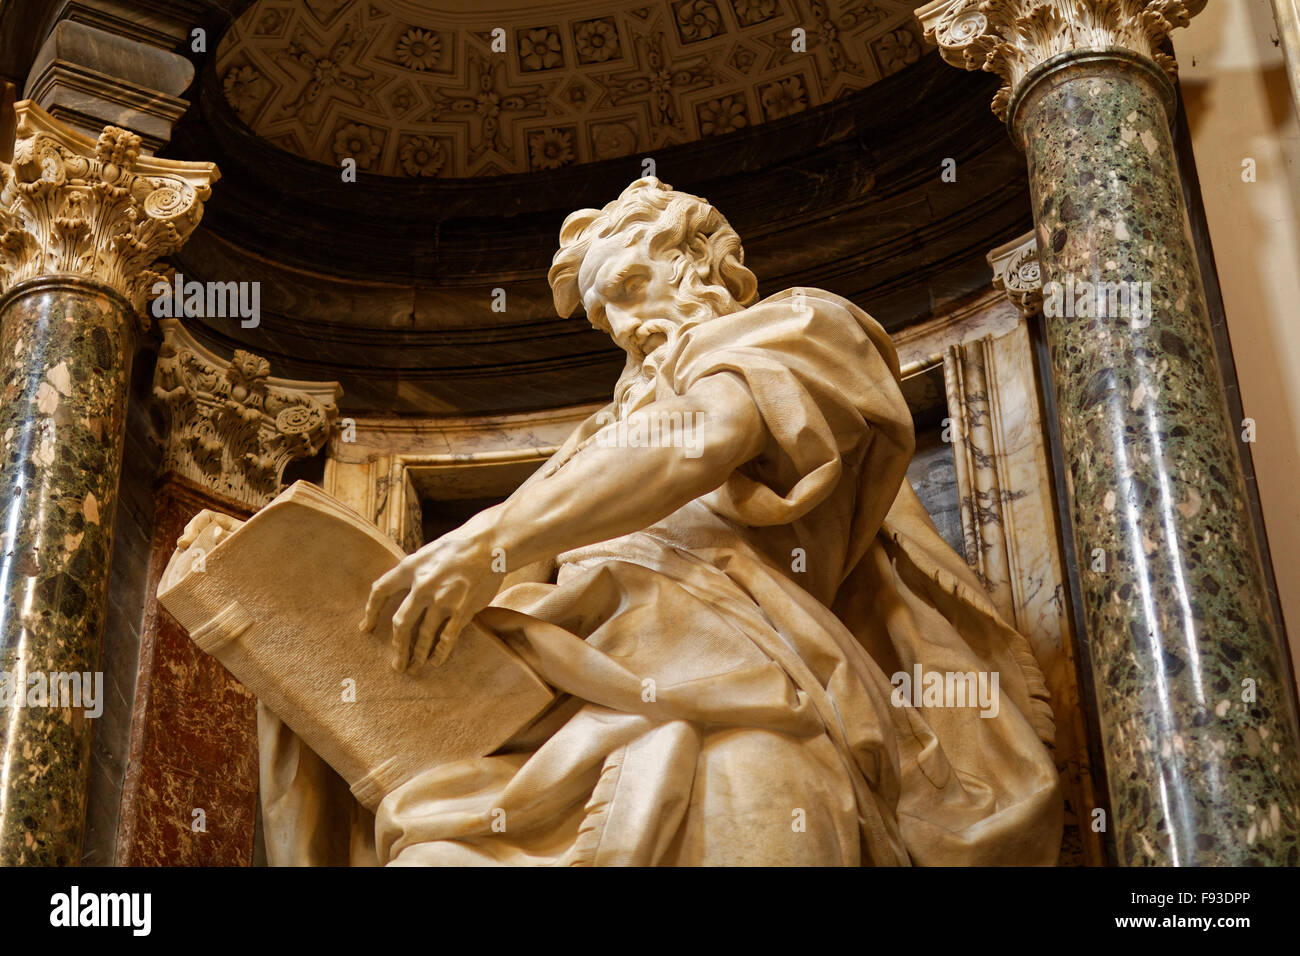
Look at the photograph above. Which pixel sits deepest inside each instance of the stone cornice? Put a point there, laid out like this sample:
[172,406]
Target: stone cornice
[1011,37]
[73,205]
[231,426]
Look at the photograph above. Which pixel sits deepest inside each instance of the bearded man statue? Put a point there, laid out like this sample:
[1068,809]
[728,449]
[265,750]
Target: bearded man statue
[719,573]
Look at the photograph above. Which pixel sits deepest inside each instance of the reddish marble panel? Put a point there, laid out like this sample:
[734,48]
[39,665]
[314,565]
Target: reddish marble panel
[168,832]
[194,728]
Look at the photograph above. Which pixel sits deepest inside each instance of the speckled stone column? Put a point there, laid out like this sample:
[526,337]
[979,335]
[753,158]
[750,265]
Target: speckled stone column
[65,358]
[1196,705]
[1175,598]
[81,223]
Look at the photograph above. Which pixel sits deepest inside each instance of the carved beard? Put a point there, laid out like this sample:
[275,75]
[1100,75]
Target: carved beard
[636,386]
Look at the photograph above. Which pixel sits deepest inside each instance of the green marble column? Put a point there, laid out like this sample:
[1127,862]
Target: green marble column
[65,358]
[1196,702]
[82,222]
[1177,611]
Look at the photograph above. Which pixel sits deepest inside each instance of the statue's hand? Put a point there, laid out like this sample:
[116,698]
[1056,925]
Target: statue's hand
[449,581]
[199,523]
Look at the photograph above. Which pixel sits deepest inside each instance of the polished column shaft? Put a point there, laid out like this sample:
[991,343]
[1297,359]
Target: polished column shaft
[82,223]
[1195,709]
[1196,703]
[65,358]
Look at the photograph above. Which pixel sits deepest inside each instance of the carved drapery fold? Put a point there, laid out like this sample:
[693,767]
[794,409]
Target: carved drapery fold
[232,427]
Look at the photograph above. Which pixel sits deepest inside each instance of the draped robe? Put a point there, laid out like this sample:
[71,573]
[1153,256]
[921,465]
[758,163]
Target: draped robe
[723,675]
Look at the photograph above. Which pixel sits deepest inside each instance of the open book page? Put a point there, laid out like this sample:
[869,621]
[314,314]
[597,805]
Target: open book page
[278,602]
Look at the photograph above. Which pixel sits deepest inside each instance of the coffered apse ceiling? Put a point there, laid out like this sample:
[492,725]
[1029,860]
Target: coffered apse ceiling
[478,125]
[452,90]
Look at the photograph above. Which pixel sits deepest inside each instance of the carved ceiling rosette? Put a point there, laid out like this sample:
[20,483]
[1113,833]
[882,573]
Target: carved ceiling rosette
[231,427]
[98,209]
[1011,37]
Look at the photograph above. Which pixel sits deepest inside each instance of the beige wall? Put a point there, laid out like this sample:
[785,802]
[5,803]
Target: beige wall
[1239,107]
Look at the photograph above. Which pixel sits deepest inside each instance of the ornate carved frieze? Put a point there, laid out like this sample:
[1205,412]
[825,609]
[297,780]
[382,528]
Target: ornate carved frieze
[233,428]
[94,208]
[1011,37]
[1017,272]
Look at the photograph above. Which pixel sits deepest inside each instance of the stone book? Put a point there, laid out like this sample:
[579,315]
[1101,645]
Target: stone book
[278,602]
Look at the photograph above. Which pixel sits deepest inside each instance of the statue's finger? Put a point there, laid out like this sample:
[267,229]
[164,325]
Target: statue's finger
[192,529]
[228,523]
[429,629]
[384,588]
[447,641]
[404,621]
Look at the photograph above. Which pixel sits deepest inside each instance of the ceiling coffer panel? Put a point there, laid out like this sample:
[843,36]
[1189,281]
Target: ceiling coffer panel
[411,89]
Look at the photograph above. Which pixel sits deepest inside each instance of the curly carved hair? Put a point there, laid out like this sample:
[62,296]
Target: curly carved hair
[708,261]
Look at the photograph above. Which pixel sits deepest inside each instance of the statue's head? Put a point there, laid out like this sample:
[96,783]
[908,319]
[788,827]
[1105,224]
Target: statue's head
[649,261]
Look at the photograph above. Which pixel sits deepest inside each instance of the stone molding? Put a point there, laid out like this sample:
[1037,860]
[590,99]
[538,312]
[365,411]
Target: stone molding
[384,467]
[1011,37]
[161,23]
[73,205]
[89,78]
[232,428]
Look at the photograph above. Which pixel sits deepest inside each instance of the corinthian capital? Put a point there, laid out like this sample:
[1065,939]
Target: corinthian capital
[231,427]
[95,208]
[1011,37]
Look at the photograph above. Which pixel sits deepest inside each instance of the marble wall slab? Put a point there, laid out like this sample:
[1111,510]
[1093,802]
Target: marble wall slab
[194,729]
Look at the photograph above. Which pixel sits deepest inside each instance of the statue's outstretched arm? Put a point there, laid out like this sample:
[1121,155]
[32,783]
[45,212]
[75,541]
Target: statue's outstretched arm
[602,492]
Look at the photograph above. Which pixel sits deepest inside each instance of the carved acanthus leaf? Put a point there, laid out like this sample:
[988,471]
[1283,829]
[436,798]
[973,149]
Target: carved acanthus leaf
[1011,37]
[1016,271]
[231,427]
[70,204]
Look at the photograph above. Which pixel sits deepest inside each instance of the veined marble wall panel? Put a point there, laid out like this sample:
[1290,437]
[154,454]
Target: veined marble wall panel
[934,480]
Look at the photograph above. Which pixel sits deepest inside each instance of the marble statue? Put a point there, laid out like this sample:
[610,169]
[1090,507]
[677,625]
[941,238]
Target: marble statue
[757,639]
